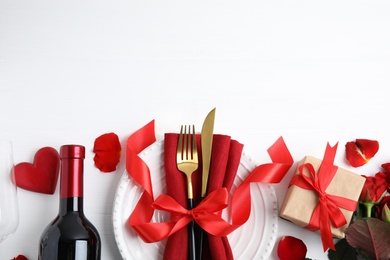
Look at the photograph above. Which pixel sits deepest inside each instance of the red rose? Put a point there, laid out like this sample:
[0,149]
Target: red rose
[384,209]
[385,175]
[373,190]
[107,149]
[20,257]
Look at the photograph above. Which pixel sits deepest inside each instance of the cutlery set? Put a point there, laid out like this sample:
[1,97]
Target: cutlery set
[187,163]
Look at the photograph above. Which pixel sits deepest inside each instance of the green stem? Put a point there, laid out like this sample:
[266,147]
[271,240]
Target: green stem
[368,206]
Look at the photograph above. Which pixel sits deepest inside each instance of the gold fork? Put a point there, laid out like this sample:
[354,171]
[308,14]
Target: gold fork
[187,163]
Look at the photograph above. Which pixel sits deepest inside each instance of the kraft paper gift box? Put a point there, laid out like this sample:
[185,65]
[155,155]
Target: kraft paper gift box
[300,203]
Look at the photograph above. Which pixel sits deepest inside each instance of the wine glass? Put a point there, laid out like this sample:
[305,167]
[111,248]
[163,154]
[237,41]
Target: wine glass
[9,209]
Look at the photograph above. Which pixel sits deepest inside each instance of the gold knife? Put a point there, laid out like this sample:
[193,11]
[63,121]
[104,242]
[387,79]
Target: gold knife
[206,139]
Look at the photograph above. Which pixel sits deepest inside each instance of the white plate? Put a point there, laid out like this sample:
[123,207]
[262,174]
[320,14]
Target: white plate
[253,240]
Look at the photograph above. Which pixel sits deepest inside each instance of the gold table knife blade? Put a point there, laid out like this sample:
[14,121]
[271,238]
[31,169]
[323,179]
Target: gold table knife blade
[206,145]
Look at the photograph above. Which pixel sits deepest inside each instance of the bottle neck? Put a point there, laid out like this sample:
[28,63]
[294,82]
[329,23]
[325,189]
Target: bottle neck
[72,170]
[71,181]
[74,204]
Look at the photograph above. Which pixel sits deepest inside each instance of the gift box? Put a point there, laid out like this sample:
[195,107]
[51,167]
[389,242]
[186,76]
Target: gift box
[299,203]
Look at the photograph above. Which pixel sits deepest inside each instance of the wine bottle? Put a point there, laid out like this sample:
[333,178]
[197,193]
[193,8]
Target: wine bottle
[70,236]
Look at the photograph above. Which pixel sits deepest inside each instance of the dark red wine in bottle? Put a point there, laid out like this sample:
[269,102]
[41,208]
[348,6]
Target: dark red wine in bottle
[70,236]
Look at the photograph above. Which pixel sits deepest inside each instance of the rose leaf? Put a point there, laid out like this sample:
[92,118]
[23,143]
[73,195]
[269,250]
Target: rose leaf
[371,237]
[343,251]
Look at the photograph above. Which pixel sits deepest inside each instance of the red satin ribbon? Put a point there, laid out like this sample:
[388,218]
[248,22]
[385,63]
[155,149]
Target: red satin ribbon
[140,172]
[327,210]
[207,213]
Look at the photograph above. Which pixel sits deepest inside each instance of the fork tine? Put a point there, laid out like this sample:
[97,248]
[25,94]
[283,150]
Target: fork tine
[179,152]
[185,146]
[194,152]
[189,144]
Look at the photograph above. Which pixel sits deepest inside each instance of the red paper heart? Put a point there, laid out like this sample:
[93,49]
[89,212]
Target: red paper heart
[42,175]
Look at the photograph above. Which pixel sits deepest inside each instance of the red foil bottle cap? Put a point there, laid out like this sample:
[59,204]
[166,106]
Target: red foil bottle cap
[72,168]
[72,151]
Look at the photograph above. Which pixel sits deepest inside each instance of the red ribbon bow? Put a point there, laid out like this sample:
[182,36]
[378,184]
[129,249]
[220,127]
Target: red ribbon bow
[327,210]
[206,214]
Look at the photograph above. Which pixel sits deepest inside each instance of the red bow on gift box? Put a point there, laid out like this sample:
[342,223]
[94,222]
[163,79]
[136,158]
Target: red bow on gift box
[327,210]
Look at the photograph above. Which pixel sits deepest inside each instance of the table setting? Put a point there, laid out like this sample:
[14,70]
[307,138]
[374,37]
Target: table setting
[224,156]
[325,216]
[196,212]
[210,130]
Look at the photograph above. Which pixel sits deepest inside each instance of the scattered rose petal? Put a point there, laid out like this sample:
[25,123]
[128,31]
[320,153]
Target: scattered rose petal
[107,149]
[291,248]
[361,151]
[20,257]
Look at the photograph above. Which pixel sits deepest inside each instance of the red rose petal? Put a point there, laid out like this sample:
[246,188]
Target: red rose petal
[354,155]
[361,151]
[20,257]
[368,147]
[386,167]
[107,149]
[291,248]
[386,174]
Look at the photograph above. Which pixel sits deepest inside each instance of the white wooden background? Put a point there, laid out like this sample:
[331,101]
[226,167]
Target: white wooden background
[310,71]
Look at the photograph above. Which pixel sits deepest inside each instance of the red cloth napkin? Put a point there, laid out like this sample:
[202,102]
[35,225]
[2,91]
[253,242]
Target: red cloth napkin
[225,159]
